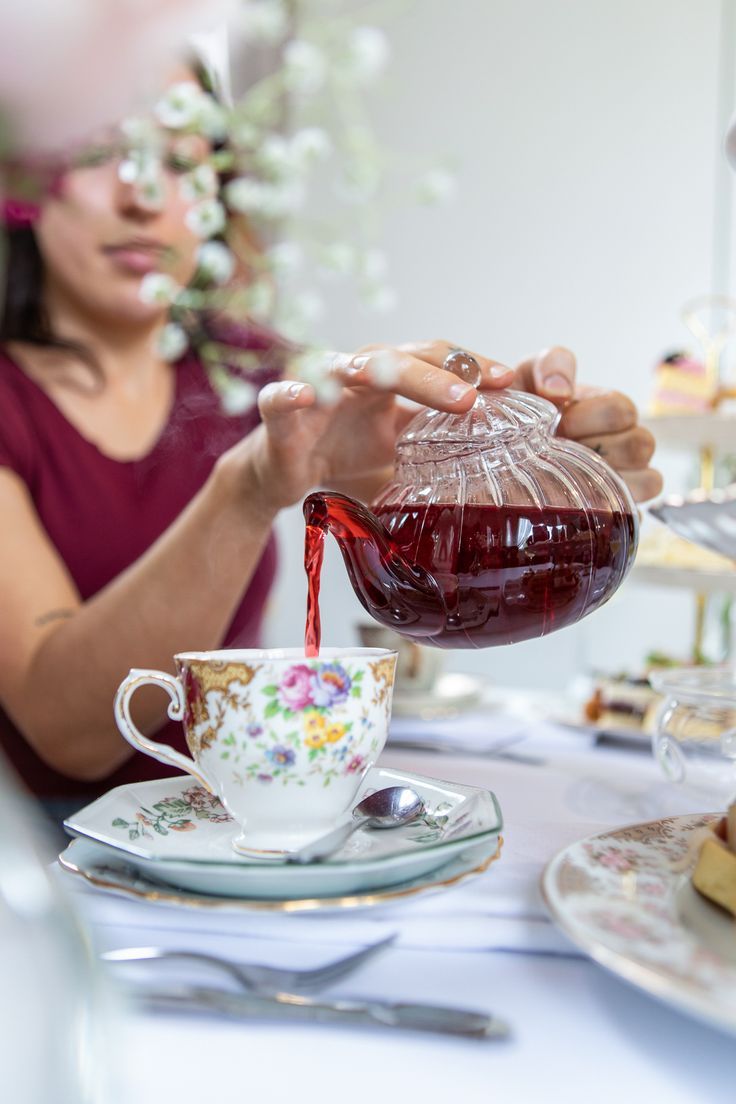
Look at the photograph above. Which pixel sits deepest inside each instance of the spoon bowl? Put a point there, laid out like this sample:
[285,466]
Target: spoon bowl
[388,808]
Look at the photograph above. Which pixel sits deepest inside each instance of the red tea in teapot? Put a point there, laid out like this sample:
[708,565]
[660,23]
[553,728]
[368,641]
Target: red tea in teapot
[469,576]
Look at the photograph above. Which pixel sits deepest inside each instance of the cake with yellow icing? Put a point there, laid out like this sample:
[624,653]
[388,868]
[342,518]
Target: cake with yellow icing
[715,871]
[682,385]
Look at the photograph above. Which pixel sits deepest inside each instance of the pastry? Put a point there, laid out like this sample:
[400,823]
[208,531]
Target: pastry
[715,871]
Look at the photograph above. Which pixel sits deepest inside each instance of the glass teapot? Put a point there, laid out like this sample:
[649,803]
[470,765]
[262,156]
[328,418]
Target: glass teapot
[491,531]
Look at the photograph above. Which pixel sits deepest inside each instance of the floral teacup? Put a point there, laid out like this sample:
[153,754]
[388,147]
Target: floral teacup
[283,741]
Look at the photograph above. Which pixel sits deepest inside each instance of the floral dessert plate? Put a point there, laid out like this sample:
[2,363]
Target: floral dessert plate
[626,898]
[117,873]
[174,831]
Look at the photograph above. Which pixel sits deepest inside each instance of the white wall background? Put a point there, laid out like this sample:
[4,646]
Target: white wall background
[587,137]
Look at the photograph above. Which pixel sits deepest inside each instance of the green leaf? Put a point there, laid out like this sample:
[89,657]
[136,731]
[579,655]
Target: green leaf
[272,709]
[160,829]
[355,692]
[119,823]
[358,676]
[271,691]
[229,740]
[225,755]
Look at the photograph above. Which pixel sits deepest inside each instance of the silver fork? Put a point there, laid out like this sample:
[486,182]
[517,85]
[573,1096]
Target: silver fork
[264,980]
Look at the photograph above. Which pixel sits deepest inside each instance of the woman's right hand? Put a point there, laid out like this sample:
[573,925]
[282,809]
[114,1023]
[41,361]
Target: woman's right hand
[302,443]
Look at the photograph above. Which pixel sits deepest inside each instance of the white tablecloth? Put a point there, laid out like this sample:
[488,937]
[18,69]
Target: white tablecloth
[579,1033]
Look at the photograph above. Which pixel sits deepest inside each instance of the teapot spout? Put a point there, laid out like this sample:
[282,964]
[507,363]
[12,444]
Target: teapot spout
[399,594]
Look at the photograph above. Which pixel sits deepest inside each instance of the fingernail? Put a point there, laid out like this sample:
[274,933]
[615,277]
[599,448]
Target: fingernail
[557,384]
[357,364]
[460,391]
[498,370]
[295,390]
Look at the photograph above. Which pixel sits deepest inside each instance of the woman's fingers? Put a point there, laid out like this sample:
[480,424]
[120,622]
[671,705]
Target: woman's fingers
[550,374]
[284,398]
[608,412]
[493,373]
[415,372]
[644,484]
[628,451]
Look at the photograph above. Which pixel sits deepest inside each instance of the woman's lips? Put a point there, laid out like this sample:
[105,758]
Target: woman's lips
[135,259]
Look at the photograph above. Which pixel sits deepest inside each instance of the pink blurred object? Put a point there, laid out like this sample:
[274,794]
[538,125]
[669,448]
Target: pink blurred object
[17,213]
[69,67]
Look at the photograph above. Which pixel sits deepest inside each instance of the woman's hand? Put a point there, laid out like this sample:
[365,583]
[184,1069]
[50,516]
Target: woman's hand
[605,421]
[302,443]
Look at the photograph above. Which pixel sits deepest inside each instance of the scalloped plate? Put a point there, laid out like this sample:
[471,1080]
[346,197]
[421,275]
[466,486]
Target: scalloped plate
[625,897]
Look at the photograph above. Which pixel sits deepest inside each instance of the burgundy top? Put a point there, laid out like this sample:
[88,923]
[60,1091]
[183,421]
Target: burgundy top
[103,514]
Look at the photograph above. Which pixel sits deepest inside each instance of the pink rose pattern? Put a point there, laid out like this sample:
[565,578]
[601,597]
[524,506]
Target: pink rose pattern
[174,814]
[620,891]
[310,696]
[295,688]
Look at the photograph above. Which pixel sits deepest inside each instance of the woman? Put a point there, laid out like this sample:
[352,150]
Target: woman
[137,516]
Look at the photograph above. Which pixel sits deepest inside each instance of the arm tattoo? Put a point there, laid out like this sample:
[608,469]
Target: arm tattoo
[53,615]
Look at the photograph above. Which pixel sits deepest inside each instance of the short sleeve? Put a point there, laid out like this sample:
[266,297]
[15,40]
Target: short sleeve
[16,434]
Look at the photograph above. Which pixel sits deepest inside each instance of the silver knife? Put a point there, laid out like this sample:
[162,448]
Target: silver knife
[348,1012]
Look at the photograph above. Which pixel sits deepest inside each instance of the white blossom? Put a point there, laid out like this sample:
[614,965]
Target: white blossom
[255,197]
[172,342]
[206,218]
[308,306]
[310,145]
[305,67]
[260,299]
[285,257]
[200,183]
[181,106]
[264,21]
[244,195]
[384,368]
[142,132]
[159,289]
[380,299]
[373,266]
[275,155]
[436,186]
[315,368]
[236,395]
[367,53]
[216,262]
[337,259]
[212,120]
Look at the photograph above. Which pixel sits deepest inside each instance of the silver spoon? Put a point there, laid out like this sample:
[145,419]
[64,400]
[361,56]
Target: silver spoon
[389,808]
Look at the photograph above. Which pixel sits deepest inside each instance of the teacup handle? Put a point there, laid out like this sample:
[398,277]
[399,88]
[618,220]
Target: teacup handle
[165,754]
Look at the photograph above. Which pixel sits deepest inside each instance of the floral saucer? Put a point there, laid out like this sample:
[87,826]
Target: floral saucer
[173,831]
[115,873]
[626,898]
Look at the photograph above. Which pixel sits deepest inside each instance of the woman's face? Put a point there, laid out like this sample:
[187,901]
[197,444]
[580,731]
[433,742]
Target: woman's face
[99,236]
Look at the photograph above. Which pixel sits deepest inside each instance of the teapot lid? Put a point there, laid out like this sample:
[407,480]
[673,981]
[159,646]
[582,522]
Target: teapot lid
[496,417]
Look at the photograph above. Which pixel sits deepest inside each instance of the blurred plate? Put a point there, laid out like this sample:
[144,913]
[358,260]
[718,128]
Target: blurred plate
[625,897]
[707,518]
[452,693]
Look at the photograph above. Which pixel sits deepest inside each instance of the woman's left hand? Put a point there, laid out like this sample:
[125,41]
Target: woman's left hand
[605,421]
